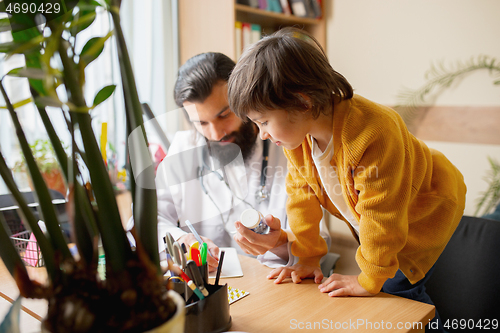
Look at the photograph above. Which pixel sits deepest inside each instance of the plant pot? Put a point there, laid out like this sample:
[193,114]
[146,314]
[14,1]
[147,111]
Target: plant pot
[174,325]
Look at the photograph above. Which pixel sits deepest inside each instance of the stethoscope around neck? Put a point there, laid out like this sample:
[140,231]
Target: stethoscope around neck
[261,195]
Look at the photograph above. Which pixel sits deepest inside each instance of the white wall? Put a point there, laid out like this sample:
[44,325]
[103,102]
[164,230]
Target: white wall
[467,158]
[382,46]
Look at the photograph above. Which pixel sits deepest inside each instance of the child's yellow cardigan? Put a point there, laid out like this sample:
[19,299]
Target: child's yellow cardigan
[408,199]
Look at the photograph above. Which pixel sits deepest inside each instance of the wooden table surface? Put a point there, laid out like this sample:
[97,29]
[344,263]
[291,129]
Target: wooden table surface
[273,308]
[296,307]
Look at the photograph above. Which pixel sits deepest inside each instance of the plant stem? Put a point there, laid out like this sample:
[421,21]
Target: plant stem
[145,199]
[114,239]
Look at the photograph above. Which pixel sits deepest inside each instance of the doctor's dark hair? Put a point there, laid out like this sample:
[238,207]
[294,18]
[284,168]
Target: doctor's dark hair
[281,69]
[197,77]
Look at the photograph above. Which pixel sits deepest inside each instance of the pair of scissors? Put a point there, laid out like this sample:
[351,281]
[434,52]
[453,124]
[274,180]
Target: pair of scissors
[177,253]
[175,250]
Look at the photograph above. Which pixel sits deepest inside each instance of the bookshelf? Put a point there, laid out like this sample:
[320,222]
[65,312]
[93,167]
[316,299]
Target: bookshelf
[209,25]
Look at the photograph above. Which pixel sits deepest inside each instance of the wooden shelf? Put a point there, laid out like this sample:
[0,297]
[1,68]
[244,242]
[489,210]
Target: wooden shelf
[209,25]
[258,16]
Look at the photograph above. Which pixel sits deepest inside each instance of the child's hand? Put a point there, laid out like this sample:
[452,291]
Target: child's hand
[343,285]
[297,273]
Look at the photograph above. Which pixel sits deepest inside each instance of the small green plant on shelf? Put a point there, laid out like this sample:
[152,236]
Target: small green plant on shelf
[45,157]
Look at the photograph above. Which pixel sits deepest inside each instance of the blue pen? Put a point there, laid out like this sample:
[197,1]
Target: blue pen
[193,231]
[198,238]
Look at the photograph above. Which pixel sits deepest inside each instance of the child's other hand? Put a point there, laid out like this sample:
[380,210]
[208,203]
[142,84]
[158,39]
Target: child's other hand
[343,285]
[297,273]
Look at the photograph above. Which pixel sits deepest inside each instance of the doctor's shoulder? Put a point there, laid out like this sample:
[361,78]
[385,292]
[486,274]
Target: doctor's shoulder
[184,140]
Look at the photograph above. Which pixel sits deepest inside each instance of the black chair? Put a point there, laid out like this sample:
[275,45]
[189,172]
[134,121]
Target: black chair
[465,285]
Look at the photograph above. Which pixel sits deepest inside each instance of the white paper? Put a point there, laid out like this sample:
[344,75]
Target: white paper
[231,266]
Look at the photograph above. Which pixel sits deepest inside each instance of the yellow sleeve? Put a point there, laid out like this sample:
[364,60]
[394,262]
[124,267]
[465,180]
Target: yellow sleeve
[304,215]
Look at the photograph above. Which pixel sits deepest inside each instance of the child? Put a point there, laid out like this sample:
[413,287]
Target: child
[401,199]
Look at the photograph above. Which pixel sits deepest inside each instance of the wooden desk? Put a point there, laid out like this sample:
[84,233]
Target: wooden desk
[284,307]
[298,307]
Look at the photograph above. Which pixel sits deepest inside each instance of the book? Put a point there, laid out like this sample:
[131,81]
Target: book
[285,6]
[238,39]
[263,4]
[256,33]
[299,8]
[251,3]
[315,6]
[246,33]
[274,6]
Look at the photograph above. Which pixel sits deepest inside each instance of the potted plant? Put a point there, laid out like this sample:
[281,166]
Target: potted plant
[133,297]
[47,163]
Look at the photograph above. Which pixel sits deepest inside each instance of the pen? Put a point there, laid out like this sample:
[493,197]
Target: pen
[193,231]
[196,290]
[196,235]
[166,245]
[178,271]
[196,277]
[195,256]
[219,268]
[203,253]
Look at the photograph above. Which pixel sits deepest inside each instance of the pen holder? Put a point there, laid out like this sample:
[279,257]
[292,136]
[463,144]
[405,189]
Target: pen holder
[210,314]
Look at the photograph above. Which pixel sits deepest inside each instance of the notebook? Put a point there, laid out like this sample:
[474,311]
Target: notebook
[231,266]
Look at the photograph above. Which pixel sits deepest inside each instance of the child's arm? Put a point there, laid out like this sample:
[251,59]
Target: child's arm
[304,216]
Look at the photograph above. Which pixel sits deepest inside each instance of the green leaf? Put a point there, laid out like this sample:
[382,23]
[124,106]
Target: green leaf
[30,73]
[82,21]
[44,101]
[7,47]
[496,82]
[12,319]
[34,44]
[93,48]
[103,94]
[5,25]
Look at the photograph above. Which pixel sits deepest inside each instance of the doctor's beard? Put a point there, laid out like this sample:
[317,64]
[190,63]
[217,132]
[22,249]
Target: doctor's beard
[245,138]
